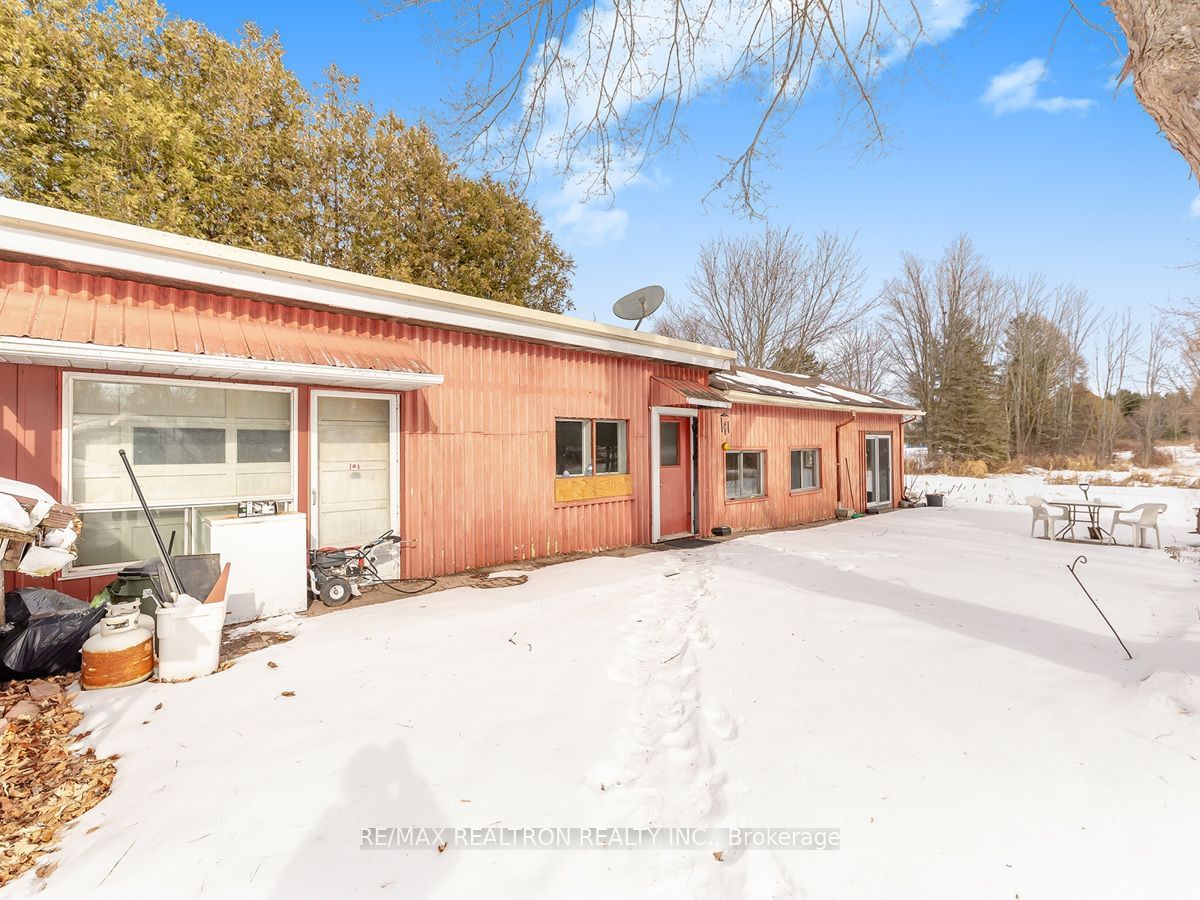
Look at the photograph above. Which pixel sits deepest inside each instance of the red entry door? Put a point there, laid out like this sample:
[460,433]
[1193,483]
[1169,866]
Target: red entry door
[674,476]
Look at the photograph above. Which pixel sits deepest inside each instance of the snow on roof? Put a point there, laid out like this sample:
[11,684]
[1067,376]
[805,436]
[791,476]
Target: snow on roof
[805,388]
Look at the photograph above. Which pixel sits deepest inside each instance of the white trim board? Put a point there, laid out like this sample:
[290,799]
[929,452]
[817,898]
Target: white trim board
[656,414]
[751,399]
[72,355]
[28,229]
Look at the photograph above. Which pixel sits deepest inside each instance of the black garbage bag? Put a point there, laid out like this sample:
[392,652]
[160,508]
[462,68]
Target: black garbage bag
[49,632]
[16,613]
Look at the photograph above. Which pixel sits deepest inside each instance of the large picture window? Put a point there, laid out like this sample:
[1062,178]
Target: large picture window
[197,450]
[744,474]
[590,447]
[806,469]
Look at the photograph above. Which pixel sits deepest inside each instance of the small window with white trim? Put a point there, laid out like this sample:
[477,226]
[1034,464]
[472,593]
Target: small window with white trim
[612,458]
[744,474]
[806,469]
[590,447]
[572,447]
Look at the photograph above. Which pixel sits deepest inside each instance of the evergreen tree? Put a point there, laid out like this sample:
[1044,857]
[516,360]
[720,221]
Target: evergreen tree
[122,111]
[970,422]
[798,360]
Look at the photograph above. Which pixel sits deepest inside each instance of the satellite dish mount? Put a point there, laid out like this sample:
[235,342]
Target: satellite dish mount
[638,305]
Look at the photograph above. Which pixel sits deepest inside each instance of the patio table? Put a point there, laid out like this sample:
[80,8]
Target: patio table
[1081,512]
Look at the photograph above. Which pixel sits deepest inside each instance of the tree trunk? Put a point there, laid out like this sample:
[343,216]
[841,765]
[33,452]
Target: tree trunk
[1163,37]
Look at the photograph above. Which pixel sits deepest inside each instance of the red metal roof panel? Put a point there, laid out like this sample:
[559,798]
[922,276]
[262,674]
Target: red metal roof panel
[692,393]
[157,318]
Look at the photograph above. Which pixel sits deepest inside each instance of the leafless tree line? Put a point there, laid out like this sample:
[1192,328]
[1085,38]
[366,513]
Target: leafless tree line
[774,298]
[1002,366]
[1031,343]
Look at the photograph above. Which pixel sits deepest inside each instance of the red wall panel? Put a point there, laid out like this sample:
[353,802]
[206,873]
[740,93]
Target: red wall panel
[777,430]
[477,453]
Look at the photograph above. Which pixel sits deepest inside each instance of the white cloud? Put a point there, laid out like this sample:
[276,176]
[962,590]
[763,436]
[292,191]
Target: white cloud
[1196,208]
[584,218]
[1017,89]
[581,221]
[944,17]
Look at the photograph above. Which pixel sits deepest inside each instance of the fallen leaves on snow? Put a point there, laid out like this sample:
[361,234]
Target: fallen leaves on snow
[45,781]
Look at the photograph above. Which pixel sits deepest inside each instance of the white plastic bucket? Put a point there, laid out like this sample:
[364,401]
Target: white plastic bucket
[189,640]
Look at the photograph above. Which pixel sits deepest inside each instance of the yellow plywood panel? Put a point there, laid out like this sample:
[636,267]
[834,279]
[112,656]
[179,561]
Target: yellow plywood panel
[593,487]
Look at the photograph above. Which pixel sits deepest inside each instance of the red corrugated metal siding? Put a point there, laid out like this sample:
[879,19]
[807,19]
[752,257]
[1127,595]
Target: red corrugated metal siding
[42,302]
[778,430]
[477,453]
[30,398]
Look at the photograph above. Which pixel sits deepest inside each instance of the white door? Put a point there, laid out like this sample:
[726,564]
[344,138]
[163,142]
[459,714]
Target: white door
[355,468]
[879,469]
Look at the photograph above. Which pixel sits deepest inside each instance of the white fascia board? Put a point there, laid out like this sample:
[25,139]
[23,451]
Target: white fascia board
[71,355]
[32,230]
[752,399]
[714,404]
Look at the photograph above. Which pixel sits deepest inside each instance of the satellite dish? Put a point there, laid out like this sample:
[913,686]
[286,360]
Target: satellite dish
[639,304]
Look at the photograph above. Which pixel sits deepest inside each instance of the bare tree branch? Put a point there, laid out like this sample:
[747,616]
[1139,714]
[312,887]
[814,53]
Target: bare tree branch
[595,90]
[774,299]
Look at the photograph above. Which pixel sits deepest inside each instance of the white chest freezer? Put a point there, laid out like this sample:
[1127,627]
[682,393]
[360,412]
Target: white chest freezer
[268,557]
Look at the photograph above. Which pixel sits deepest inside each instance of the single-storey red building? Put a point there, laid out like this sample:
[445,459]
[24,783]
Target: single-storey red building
[482,432]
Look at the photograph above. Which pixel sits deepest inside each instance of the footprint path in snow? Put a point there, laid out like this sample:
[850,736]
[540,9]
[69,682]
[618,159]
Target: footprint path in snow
[665,769]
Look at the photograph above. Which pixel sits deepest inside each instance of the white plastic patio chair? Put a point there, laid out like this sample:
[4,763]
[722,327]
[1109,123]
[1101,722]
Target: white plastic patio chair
[1141,519]
[1048,514]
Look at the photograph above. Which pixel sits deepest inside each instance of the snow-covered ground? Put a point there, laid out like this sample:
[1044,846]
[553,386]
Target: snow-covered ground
[1012,490]
[932,683]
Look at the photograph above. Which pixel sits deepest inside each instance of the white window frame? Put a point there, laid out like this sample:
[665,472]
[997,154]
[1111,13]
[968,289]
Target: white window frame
[187,504]
[622,444]
[586,462]
[589,445]
[816,485]
[879,437]
[762,474]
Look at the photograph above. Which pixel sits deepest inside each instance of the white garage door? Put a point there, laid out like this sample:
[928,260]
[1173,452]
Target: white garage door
[353,478]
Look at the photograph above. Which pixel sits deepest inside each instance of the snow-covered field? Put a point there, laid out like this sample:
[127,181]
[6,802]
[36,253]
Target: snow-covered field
[931,683]
[1012,490]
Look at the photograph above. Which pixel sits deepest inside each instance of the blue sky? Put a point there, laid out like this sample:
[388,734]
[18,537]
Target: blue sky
[1064,178]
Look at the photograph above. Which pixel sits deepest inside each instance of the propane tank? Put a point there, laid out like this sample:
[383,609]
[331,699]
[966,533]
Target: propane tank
[124,608]
[121,653]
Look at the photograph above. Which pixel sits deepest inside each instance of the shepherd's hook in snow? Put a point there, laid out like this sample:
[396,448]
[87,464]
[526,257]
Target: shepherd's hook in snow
[1071,568]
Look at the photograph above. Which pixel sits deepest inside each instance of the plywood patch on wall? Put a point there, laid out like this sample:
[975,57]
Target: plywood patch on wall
[592,487]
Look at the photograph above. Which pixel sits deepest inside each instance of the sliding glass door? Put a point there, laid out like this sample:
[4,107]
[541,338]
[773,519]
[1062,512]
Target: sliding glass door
[879,469]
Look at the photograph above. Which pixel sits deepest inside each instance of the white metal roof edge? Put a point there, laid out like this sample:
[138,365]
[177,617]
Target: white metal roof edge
[76,355]
[750,398]
[32,230]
